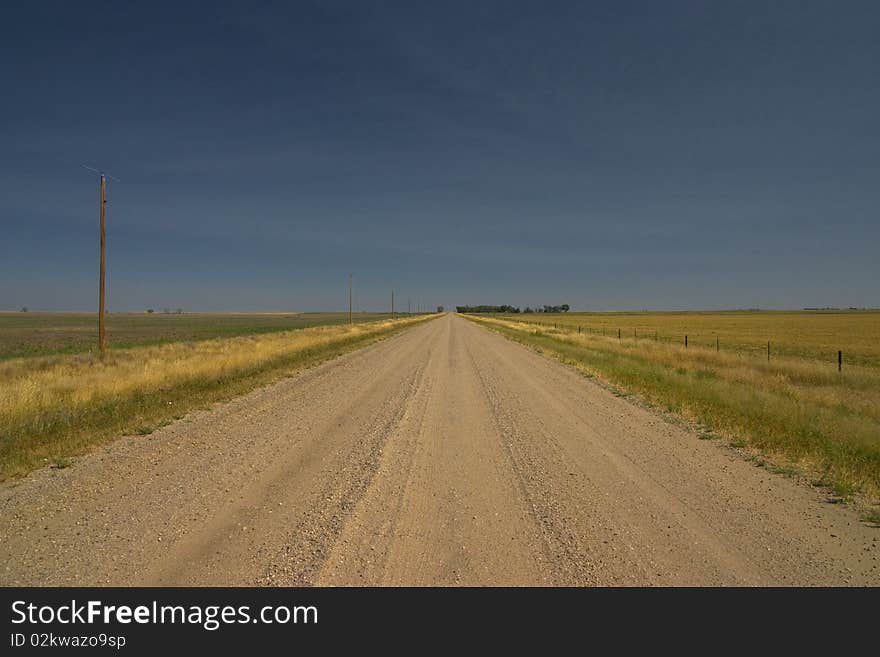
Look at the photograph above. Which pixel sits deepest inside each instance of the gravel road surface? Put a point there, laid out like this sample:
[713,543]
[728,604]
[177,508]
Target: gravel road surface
[445,455]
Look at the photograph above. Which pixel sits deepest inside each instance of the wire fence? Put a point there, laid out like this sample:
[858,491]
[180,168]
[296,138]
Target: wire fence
[683,339]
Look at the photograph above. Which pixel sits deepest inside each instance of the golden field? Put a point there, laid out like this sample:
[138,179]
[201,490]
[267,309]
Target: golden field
[54,407]
[796,410]
[802,334]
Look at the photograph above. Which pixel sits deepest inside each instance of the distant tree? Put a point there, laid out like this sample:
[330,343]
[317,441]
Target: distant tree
[487,309]
[439,309]
[24,309]
[150,311]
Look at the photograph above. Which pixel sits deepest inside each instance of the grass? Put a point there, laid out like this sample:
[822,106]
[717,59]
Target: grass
[55,407]
[799,412]
[24,335]
[810,335]
[784,470]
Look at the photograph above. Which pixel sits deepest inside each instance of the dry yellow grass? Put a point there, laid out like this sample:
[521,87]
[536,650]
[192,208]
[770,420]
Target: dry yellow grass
[803,334]
[797,411]
[52,407]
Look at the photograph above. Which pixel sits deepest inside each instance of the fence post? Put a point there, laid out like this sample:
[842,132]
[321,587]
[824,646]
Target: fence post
[618,334]
[685,341]
[717,344]
[839,360]
[768,351]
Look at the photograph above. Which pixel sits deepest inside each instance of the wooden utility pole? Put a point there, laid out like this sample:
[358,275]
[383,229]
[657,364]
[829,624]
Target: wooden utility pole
[101,328]
[102,331]
[349,299]
[392,304]
[408,307]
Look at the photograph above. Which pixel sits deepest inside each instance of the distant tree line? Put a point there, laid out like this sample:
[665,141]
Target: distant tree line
[564,308]
[487,309]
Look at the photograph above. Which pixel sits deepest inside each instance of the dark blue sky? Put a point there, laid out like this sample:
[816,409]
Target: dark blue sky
[610,155]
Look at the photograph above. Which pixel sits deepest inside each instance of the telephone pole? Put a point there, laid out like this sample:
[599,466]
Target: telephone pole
[392,304]
[349,299]
[102,329]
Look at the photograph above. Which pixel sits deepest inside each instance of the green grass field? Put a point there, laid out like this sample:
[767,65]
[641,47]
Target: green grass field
[30,334]
[796,410]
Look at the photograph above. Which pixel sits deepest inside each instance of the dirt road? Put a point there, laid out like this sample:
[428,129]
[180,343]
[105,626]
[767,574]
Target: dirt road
[445,455]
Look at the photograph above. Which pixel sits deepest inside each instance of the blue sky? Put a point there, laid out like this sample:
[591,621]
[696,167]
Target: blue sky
[614,155]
